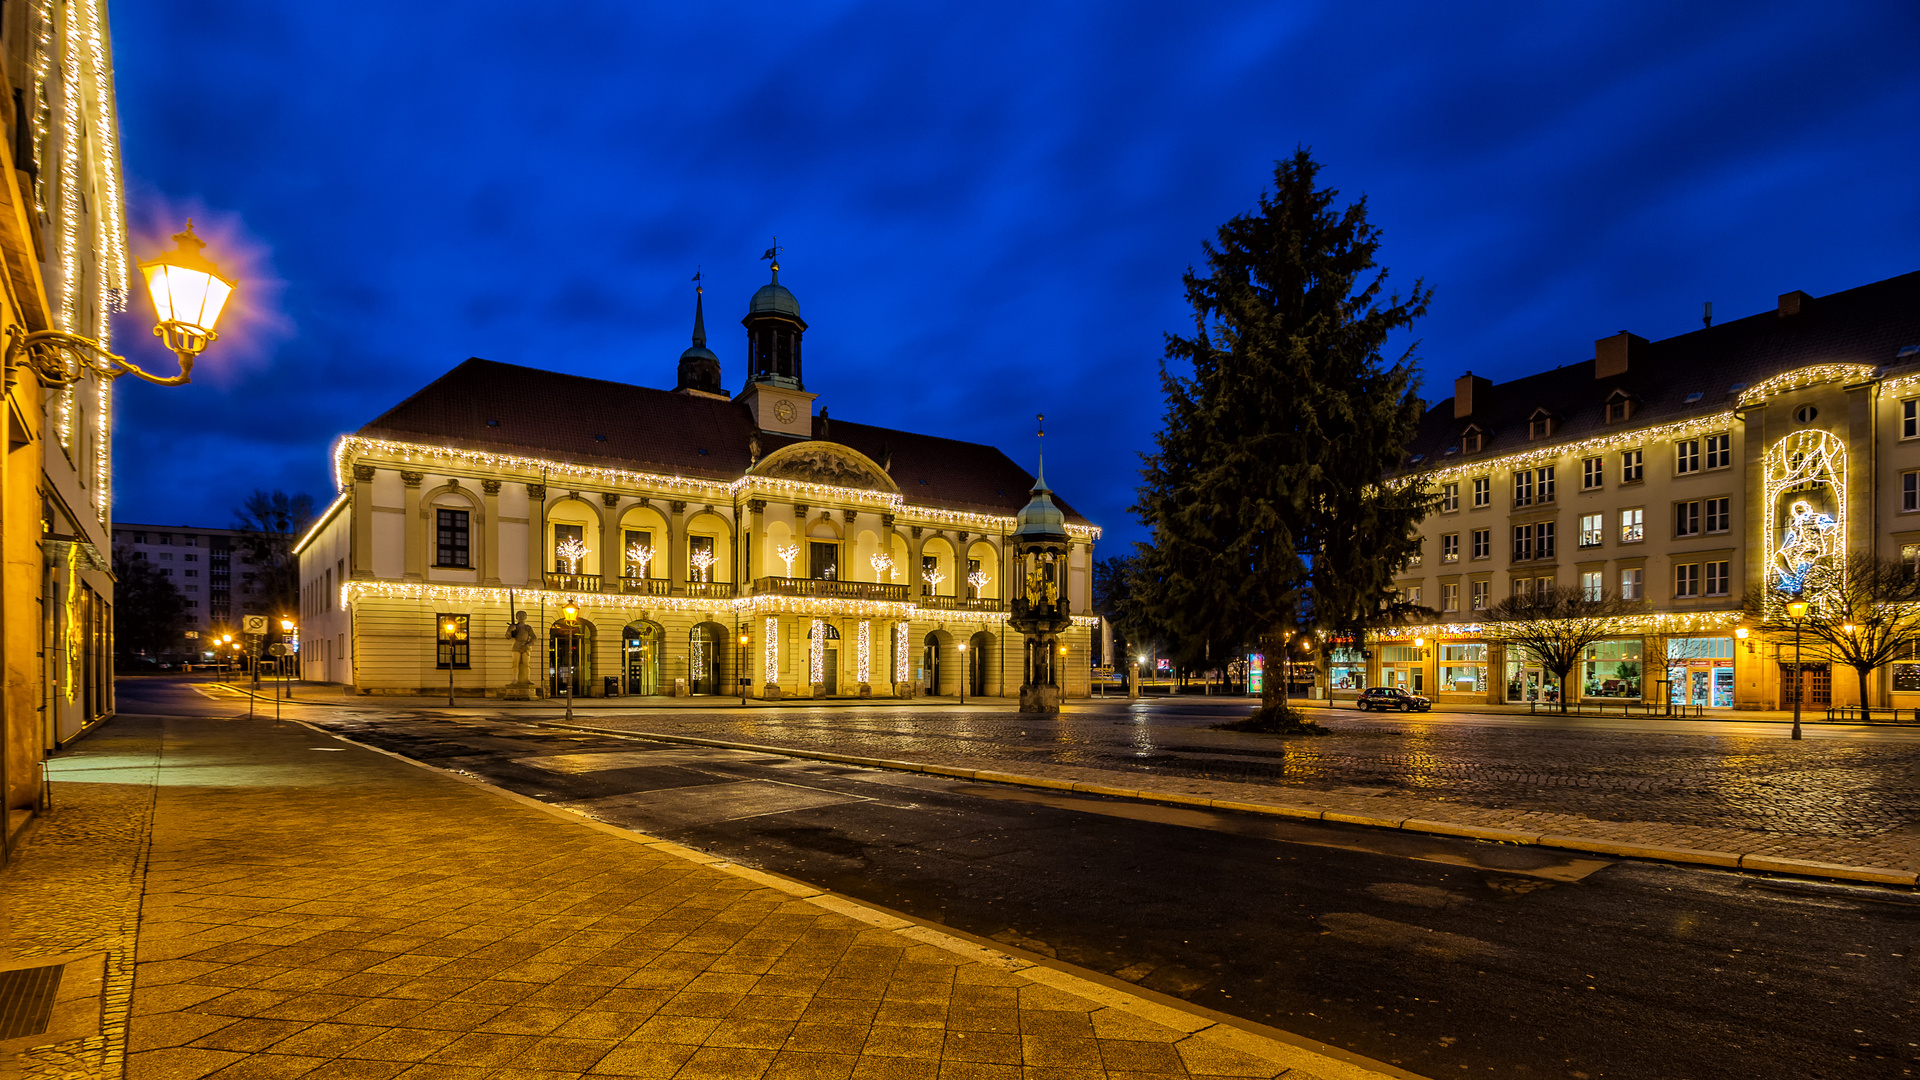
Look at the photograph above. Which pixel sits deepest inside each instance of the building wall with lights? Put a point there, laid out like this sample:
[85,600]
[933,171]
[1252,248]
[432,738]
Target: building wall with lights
[1691,473]
[854,559]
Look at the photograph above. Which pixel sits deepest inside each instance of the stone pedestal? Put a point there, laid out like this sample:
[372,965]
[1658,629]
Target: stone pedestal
[866,690]
[521,691]
[819,690]
[1042,699]
[903,689]
[772,692]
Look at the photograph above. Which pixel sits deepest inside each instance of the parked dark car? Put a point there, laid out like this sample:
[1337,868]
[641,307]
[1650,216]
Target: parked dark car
[1382,698]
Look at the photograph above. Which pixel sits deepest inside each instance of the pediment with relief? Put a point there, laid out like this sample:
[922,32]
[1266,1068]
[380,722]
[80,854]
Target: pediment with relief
[825,463]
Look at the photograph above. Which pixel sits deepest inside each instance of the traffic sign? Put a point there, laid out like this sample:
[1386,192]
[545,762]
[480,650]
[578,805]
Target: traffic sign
[279,648]
[253,624]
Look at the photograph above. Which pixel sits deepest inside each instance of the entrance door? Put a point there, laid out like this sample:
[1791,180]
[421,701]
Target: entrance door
[1722,688]
[830,671]
[569,657]
[643,658]
[703,661]
[1818,680]
[930,664]
[1526,684]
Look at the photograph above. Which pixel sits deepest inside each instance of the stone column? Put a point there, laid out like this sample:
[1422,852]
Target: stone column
[677,546]
[613,544]
[537,553]
[415,540]
[756,538]
[362,510]
[489,532]
[911,575]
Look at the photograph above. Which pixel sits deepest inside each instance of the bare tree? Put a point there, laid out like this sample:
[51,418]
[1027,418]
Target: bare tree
[1866,616]
[1555,625]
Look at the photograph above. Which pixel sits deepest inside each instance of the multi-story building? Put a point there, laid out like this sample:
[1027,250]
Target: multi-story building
[211,567]
[63,250]
[711,544]
[1671,472]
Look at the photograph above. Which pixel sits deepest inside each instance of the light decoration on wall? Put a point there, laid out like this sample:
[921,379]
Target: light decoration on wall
[933,578]
[639,560]
[1599,444]
[771,651]
[490,463]
[703,564]
[978,579]
[571,551]
[883,569]
[1807,543]
[788,553]
[1801,378]
[863,650]
[901,642]
[817,652]
[1663,622]
[697,658]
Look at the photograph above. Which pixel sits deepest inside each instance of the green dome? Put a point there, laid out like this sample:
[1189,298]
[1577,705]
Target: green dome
[775,299]
[1040,521]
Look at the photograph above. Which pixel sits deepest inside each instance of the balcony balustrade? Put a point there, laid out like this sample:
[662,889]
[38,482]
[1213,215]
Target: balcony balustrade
[829,588]
[645,586]
[578,583]
[716,590]
[962,603]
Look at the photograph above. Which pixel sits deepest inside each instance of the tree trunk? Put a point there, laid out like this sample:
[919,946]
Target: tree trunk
[1563,690]
[1270,695]
[1863,673]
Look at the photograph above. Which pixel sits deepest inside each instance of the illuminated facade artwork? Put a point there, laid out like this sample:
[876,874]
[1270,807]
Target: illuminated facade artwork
[771,651]
[1806,512]
[817,652]
[902,643]
[863,664]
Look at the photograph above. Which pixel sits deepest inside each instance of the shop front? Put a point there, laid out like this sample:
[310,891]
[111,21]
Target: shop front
[1347,669]
[1402,666]
[1463,670]
[1700,671]
[1527,681]
[1612,670]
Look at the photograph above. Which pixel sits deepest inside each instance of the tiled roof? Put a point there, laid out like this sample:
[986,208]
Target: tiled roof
[1866,325]
[549,414]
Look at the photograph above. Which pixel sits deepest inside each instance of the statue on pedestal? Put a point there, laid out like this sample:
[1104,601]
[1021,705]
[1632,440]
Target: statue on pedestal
[523,635]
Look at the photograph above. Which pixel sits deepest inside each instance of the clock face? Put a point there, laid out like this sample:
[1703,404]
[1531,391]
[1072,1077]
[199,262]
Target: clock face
[783,411]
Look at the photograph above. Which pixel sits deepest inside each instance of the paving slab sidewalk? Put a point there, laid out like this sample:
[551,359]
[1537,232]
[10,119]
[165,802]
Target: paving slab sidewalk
[308,908]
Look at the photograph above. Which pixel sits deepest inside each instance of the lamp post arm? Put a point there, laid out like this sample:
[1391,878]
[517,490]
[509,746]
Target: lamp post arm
[45,353]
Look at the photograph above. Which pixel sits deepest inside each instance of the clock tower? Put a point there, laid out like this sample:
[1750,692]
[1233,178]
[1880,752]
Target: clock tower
[775,392]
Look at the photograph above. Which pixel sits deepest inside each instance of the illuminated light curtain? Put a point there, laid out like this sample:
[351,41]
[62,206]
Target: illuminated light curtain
[901,631]
[817,650]
[772,650]
[863,650]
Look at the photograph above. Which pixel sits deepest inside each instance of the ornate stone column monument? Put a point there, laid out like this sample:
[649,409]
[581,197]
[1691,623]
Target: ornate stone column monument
[1037,604]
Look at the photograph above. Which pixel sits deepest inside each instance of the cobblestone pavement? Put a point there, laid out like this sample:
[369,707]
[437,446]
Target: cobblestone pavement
[312,909]
[1733,787]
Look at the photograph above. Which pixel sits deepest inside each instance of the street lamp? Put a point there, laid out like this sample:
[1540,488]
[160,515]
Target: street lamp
[447,629]
[188,294]
[286,668]
[571,615]
[1797,611]
[963,673]
[741,678]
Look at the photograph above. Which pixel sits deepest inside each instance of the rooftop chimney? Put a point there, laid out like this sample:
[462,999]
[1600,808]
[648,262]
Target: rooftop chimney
[1614,355]
[1794,303]
[1465,389]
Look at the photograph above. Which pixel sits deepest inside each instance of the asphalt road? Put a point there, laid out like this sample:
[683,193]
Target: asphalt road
[1440,956]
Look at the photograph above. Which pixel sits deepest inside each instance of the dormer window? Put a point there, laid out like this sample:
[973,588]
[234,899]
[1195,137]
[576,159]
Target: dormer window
[1619,407]
[1473,440]
[1539,425]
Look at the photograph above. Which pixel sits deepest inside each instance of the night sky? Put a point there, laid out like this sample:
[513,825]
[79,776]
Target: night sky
[985,208]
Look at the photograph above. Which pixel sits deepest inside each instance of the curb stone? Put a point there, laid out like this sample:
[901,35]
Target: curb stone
[1289,1055]
[1729,860]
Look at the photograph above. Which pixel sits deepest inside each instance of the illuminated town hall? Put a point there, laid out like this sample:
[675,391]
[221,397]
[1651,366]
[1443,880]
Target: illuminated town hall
[702,542]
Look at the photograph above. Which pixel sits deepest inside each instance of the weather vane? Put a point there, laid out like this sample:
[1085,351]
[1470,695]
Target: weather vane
[774,251]
[696,279]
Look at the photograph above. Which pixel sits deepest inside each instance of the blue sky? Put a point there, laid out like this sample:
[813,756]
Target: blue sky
[985,207]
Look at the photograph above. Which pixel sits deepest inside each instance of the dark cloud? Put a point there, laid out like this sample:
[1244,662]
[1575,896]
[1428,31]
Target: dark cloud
[986,208]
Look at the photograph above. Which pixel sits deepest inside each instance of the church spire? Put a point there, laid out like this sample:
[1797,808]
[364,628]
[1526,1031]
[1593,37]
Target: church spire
[699,367]
[699,316]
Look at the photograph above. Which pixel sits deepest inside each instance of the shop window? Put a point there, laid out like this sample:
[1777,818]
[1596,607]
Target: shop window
[1463,669]
[1346,669]
[1612,669]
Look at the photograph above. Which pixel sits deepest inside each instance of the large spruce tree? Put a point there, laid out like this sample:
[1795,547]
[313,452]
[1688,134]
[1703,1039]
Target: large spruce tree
[1268,496]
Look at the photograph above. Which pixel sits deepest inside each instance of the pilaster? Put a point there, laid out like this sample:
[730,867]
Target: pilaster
[677,546]
[537,553]
[613,546]
[490,546]
[415,542]
[362,512]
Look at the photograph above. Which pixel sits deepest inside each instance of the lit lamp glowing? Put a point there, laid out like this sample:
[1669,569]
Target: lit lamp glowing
[188,294]
[1797,611]
[571,613]
[447,630]
[286,674]
[963,673]
[742,678]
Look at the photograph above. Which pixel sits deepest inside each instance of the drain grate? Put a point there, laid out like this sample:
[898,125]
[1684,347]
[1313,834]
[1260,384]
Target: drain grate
[26,1000]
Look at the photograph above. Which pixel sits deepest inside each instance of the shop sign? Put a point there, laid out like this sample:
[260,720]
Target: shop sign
[1906,678]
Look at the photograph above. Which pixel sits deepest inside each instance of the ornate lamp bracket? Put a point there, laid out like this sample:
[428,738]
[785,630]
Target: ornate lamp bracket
[59,360]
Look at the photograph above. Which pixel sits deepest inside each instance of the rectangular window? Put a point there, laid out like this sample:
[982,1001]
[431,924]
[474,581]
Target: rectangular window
[823,559]
[1483,543]
[1719,517]
[1592,530]
[451,631]
[1480,590]
[1617,410]
[1592,473]
[1523,487]
[1450,548]
[1544,482]
[1632,467]
[701,558]
[1413,595]
[1450,496]
[1631,523]
[1909,491]
[1686,579]
[638,542]
[565,537]
[452,533]
[1686,456]
[1686,518]
[1450,596]
[1482,491]
[1719,451]
[1717,579]
[1909,426]
[1522,587]
[1592,584]
[1471,443]
[1543,539]
[1630,584]
[1522,543]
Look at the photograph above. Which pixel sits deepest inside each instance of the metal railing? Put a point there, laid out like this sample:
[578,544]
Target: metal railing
[1857,715]
[962,603]
[829,588]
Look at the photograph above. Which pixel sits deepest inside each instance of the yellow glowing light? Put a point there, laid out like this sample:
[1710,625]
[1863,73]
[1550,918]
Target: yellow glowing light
[772,651]
[188,293]
[1740,632]
[570,612]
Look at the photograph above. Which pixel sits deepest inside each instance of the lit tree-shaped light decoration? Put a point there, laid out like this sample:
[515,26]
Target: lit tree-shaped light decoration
[882,567]
[571,551]
[640,558]
[933,578]
[977,579]
[703,564]
[788,553]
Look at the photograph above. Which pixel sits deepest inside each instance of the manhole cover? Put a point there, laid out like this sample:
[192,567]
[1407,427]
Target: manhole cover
[26,1000]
